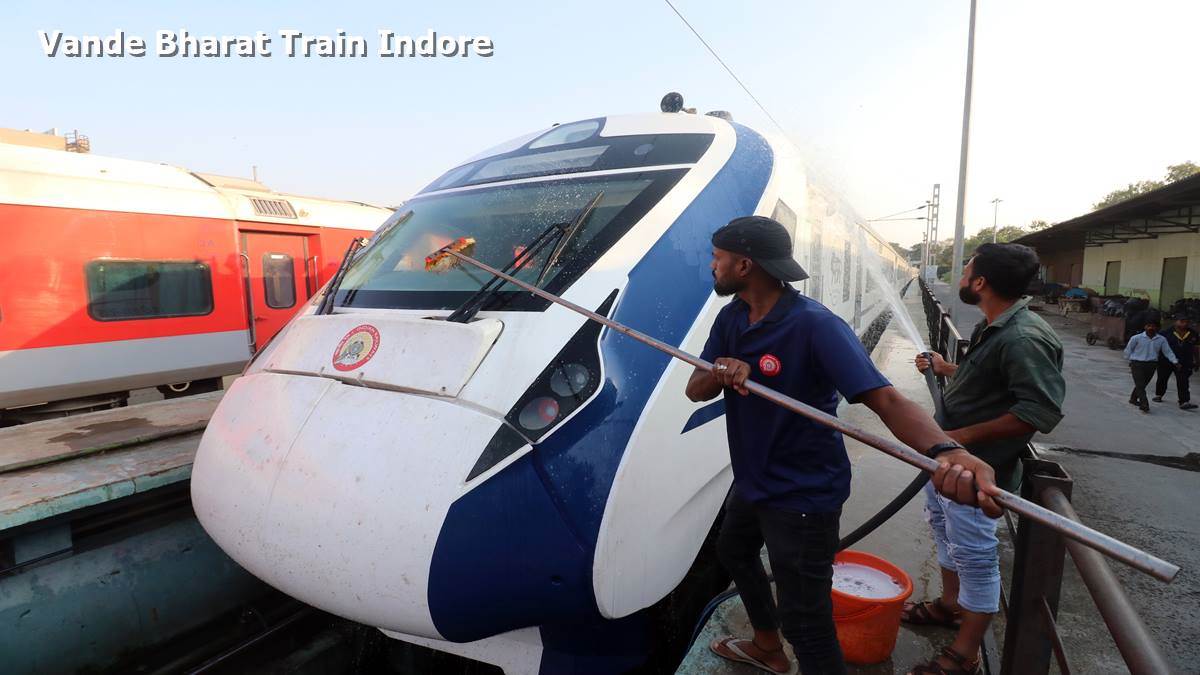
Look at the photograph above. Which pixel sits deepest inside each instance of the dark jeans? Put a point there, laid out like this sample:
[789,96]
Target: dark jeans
[1142,372]
[1165,369]
[800,547]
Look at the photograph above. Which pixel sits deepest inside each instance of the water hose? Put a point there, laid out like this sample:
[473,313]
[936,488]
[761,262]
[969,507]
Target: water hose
[918,481]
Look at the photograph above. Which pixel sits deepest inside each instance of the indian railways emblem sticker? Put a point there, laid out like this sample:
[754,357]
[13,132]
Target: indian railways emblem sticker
[356,348]
[769,365]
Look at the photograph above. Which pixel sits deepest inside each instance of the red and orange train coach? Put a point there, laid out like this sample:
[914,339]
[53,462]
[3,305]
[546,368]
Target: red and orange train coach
[118,275]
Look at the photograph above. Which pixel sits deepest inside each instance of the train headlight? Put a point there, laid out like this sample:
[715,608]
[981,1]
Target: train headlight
[570,380]
[538,414]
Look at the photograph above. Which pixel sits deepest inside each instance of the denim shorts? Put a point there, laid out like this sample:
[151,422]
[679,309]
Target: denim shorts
[966,544]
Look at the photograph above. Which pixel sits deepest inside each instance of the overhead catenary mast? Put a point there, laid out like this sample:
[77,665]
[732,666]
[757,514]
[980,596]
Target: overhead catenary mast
[928,261]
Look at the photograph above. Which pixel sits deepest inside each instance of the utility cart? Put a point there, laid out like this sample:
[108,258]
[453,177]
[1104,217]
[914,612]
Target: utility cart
[1107,329]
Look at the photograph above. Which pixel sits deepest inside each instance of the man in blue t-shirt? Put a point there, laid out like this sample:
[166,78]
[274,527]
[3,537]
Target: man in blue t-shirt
[791,475]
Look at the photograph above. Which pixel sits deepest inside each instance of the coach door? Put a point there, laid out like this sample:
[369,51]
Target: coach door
[276,278]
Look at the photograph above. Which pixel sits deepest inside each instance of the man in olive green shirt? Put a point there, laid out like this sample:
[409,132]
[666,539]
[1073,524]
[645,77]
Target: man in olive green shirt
[1008,386]
[1009,382]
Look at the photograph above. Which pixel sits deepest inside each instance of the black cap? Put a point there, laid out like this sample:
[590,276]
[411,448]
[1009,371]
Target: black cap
[764,241]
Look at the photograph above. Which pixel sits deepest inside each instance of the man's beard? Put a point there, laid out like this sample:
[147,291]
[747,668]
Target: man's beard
[968,296]
[729,288]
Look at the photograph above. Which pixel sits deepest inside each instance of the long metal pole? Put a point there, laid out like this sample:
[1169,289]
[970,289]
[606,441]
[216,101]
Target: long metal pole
[1137,647]
[1156,567]
[960,215]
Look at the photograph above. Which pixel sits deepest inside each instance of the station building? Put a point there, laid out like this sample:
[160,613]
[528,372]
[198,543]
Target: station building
[1147,246]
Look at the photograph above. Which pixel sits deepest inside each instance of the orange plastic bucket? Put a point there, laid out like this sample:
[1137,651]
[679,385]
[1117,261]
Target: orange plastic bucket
[867,627]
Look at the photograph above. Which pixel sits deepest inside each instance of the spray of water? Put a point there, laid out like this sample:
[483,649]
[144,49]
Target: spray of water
[874,266]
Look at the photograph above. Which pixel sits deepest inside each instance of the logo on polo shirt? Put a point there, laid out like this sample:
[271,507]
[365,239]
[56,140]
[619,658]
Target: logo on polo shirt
[769,365]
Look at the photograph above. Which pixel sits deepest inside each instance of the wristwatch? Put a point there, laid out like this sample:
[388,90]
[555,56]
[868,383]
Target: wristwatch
[944,447]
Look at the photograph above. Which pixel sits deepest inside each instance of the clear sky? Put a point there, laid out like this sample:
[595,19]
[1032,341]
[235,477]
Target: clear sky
[1073,98]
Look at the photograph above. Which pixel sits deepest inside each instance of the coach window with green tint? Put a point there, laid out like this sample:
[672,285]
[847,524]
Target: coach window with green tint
[120,290]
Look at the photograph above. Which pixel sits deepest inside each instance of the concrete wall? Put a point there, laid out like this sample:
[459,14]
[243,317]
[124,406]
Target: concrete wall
[1058,266]
[1142,264]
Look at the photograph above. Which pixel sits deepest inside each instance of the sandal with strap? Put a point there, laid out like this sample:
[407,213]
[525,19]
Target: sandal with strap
[921,614]
[962,665]
[737,655]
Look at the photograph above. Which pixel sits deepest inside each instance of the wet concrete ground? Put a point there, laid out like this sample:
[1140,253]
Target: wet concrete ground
[904,540]
[1135,480]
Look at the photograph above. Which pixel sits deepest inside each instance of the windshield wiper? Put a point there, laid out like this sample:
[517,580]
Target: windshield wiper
[489,290]
[466,311]
[356,244]
[568,235]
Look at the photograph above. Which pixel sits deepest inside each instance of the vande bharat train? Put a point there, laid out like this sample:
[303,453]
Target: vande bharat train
[486,473]
[117,275]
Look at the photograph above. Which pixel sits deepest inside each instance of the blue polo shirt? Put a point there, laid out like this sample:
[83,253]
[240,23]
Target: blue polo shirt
[801,349]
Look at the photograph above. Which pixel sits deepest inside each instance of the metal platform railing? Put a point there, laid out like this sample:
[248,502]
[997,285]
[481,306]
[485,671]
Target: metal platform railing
[1031,635]
[77,142]
[944,337]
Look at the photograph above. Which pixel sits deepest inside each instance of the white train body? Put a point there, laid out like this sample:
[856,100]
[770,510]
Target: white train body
[373,461]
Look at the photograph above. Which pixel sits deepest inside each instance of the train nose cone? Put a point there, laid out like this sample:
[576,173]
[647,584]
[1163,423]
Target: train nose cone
[335,494]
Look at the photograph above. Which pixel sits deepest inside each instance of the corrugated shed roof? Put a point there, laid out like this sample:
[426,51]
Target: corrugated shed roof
[1170,209]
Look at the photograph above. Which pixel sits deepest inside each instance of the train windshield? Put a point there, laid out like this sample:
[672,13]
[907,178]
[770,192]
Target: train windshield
[502,220]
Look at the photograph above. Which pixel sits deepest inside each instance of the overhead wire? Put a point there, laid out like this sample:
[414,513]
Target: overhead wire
[899,213]
[726,67]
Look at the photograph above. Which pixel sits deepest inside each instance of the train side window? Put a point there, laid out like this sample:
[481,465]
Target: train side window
[279,280]
[120,290]
[784,215]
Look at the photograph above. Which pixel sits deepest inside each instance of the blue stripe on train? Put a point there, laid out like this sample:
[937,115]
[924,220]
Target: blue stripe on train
[517,550]
[705,415]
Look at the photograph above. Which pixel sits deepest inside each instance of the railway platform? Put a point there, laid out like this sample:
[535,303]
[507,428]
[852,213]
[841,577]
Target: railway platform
[100,555]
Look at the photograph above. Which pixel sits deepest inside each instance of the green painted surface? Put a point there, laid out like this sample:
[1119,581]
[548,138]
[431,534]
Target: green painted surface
[33,494]
[85,610]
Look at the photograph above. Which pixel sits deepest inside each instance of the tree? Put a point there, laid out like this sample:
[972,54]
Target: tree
[1037,225]
[1128,192]
[945,249]
[1180,171]
[1174,172]
[909,252]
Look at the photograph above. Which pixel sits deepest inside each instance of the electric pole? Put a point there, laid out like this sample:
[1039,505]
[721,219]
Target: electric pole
[956,269]
[995,216]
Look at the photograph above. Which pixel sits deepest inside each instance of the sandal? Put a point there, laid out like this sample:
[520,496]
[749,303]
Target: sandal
[921,614]
[962,665]
[738,656]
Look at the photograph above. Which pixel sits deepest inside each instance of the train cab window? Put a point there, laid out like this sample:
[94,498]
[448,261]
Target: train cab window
[279,280]
[576,148]
[559,161]
[503,220]
[120,290]
[566,133]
